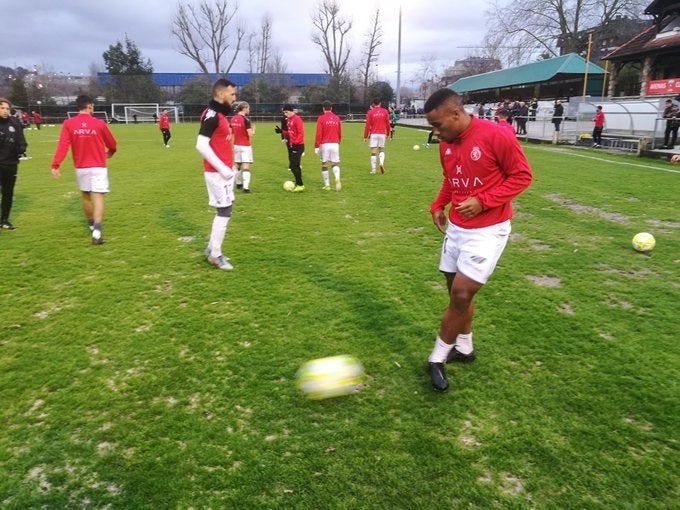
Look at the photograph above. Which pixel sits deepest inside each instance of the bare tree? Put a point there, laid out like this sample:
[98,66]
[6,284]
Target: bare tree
[331,31]
[370,54]
[265,44]
[521,29]
[204,33]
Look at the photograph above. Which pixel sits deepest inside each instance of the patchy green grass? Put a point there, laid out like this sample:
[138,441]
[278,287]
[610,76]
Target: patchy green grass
[135,375]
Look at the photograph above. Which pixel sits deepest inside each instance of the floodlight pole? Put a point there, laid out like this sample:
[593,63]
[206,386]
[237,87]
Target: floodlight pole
[399,63]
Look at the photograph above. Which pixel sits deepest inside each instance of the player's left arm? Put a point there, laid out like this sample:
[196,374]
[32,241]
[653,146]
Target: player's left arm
[516,172]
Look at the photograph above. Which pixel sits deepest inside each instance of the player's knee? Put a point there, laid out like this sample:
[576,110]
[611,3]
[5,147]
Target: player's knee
[223,212]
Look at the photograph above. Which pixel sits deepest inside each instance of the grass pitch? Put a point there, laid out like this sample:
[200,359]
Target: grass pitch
[135,375]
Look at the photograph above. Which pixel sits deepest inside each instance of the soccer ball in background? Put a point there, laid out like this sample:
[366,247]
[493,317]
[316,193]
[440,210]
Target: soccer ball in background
[416,147]
[289,185]
[643,242]
[330,377]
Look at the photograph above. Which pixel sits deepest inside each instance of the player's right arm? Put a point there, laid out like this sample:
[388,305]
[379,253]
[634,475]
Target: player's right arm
[209,124]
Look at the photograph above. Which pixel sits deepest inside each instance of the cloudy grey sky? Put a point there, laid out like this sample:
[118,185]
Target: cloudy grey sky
[70,35]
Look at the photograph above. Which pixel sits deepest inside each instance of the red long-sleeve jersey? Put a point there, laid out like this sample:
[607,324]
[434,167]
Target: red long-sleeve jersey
[328,129]
[377,122]
[296,131]
[89,139]
[164,121]
[486,162]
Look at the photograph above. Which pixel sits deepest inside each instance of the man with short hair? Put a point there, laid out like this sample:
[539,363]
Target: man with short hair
[484,169]
[243,151]
[295,134]
[91,144]
[672,115]
[598,127]
[12,148]
[214,144]
[164,126]
[327,145]
[375,131]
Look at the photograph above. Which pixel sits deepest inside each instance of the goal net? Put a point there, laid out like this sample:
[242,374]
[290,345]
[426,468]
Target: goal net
[142,112]
[100,115]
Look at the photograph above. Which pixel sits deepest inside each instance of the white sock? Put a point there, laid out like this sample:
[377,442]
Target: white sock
[219,229]
[373,162]
[381,155]
[440,352]
[336,172]
[246,179]
[325,177]
[464,343]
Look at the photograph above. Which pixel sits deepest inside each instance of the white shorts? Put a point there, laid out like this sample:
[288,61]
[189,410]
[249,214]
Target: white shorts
[473,252]
[94,179]
[243,154]
[220,190]
[377,141]
[329,152]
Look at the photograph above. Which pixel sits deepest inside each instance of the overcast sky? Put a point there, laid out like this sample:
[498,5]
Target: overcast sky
[70,36]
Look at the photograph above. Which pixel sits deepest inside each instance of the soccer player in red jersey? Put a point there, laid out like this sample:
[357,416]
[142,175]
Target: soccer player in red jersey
[91,144]
[327,145]
[243,151]
[296,145]
[484,169]
[599,126]
[214,144]
[164,126]
[375,131]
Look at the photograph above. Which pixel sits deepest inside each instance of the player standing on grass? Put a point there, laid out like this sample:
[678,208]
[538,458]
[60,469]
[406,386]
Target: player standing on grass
[91,144]
[214,144]
[295,134]
[12,147]
[327,145]
[484,169]
[243,151]
[164,126]
[375,131]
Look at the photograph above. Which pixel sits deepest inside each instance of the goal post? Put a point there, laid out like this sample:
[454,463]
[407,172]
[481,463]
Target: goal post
[142,112]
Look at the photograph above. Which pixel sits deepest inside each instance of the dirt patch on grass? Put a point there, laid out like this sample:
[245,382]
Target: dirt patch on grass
[544,281]
[586,209]
[640,273]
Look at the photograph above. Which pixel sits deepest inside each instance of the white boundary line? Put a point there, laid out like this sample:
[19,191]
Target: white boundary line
[595,158]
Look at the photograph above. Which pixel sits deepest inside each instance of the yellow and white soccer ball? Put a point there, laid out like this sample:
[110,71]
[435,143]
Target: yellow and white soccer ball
[416,147]
[330,377]
[289,185]
[643,241]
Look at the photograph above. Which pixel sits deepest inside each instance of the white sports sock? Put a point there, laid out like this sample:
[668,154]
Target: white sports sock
[373,162]
[325,177]
[381,155]
[336,172]
[246,179]
[464,343]
[440,351]
[219,229]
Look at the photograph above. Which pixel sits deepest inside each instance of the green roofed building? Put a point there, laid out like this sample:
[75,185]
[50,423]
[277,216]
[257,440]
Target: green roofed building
[559,77]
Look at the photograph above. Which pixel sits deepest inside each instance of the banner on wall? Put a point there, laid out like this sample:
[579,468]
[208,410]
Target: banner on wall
[663,87]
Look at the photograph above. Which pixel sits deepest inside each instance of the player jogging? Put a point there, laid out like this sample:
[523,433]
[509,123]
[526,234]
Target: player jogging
[375,131]
[327,145]
[484,169]
[243,152]
[214,144]
[91,144]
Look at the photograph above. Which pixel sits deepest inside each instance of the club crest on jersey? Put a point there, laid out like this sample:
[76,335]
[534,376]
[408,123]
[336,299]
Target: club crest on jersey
[476,153]
[447,152]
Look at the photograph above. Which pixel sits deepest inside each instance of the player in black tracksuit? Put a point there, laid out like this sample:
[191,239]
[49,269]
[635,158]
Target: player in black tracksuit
[12,146]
